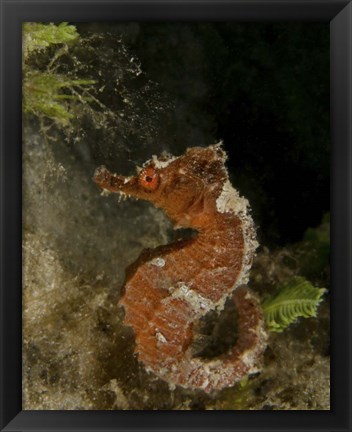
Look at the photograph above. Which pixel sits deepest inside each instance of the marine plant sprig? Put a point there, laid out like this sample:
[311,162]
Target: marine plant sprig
[298,298]
[38,36]
[48,93]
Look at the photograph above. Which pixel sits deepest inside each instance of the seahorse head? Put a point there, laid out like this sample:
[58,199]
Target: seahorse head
[185,187]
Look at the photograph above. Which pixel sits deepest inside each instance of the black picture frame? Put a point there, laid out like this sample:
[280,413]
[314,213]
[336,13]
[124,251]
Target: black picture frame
[13,13]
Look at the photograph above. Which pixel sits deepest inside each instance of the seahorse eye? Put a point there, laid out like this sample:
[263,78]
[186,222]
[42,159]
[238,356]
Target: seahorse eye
[149,179]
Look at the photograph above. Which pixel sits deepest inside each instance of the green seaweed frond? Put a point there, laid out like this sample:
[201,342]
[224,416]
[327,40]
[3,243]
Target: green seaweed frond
[298,298]
[37,36]
[46,93]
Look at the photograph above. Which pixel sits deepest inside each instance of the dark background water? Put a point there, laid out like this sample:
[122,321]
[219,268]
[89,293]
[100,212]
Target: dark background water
[264,90]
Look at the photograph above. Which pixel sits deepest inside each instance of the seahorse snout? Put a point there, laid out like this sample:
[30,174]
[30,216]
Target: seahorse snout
[112,182]
[100,174]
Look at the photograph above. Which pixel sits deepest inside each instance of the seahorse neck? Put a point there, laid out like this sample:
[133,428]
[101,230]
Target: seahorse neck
[222,239]
[219,224]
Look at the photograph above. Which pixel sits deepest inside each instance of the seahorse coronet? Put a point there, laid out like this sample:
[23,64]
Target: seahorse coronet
[171,287]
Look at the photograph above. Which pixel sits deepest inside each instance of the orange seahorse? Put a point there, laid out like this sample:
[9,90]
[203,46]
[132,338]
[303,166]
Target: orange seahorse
[170,287]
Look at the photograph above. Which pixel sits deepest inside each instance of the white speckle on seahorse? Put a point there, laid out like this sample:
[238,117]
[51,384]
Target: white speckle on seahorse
[158,262]
[199,303]
[160,337]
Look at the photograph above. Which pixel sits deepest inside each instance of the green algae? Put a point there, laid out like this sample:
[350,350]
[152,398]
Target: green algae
[297,298]
[37,36]
[47,93]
